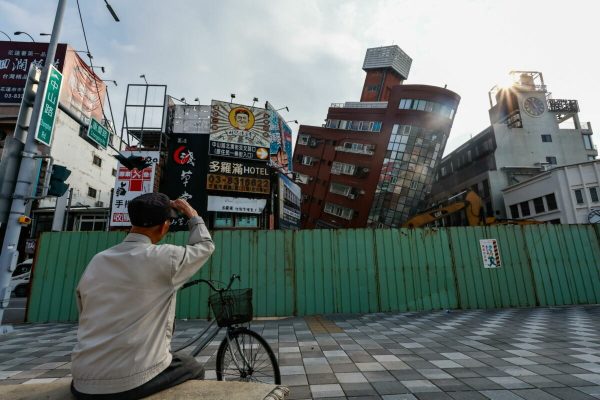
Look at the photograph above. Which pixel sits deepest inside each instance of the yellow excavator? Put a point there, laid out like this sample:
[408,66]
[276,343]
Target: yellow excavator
[471,205]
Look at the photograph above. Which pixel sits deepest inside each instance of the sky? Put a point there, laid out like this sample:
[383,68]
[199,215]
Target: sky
[308,54]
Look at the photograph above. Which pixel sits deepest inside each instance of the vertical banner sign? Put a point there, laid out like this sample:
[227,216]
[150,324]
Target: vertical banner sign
[185,175]
[131,184]
[281,139]
[289,203]
[490,253]
[45,124]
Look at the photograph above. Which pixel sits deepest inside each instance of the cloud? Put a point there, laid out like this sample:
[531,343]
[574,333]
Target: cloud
[308,54]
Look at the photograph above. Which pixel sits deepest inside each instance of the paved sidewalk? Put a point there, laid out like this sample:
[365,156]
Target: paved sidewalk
[544,353]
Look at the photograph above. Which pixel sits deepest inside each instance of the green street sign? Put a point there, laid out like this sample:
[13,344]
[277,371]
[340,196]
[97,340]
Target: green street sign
[45,124]
[98,133]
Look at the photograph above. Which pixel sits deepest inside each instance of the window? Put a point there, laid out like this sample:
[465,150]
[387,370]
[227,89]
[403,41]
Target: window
[114,172]
[338,168]
[339,211]
[525,208]
[303,139]
[579,196]
[551,160]
[551,202]
[92,192]
[546,138]
[587,142]
[594,194]
[246,221]
[538,205]
[97,161]
[591,158]
[514,211]
[223,220]
[333,123]
[307,160]
[338,188]
[376,126]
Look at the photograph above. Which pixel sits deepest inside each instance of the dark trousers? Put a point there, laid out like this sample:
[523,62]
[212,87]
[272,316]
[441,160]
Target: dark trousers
[183,368]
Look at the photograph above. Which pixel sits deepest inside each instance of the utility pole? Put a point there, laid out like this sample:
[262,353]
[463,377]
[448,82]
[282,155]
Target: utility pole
[9,253]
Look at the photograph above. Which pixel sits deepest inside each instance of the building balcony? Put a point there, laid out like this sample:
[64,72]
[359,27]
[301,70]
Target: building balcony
[367,151]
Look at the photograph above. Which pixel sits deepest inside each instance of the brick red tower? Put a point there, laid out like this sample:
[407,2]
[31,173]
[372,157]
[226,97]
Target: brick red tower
[386,67]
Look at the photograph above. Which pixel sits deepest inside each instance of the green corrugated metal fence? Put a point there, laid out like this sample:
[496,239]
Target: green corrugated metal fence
[355,270]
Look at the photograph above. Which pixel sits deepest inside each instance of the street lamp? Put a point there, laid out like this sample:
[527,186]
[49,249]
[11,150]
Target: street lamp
[111,11]
[143,76]
[254,100]
[110,80]
[198,100]
[282,108]
[24,33]
[4,33]
[232,96]
[45,34]
[101,68]
[293,120]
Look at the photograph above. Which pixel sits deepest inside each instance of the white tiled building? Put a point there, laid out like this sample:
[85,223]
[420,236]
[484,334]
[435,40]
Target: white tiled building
[568,194]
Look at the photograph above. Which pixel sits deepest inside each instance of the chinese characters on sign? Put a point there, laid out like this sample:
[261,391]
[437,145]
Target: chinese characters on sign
[45,124]
[236,205]
[238,168]
[490,253]
[239,132]
[130,184]
[15,60]
[98,133]
[186,173]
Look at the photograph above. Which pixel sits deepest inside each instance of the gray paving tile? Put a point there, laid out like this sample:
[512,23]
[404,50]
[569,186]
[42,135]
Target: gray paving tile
[358,389]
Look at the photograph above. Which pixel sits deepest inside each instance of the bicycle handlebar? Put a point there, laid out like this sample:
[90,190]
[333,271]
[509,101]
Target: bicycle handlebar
[210,283]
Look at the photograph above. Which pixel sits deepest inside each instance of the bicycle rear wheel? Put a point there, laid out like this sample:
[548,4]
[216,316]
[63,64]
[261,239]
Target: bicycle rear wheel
[247,357]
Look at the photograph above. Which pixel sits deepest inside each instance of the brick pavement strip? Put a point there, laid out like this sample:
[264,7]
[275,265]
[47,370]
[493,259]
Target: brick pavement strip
[528,354]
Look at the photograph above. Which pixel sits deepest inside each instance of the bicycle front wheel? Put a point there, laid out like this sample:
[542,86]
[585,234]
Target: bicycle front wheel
[247,357]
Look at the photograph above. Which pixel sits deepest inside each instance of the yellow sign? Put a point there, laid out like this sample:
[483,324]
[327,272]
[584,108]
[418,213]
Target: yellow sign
[237,184]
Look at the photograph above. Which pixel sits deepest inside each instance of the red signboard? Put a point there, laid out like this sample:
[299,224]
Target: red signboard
[15,60]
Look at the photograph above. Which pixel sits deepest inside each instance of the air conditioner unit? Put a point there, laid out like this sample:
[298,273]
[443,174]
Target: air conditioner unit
[312,143]
[365,170]
[99,204]
[362,192]
[311,178]
[351,196]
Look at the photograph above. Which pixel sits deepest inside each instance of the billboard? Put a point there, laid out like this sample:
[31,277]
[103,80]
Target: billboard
[82,91]
[185,174]
[238,176]
[130,184]
[289,203]
[239,131]
[190,119]
[280,149]
[15,60]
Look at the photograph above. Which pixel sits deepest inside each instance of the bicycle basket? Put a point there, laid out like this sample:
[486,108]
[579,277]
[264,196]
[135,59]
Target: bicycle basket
[232,307]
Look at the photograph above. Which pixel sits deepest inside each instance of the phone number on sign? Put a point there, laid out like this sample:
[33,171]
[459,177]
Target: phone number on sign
[237,184]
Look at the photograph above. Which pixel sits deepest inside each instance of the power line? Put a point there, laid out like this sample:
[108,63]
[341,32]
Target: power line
[87,47]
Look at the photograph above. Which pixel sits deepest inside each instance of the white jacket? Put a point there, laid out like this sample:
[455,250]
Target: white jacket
[126,302]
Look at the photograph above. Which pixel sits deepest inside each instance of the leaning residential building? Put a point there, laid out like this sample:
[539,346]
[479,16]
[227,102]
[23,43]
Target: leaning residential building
[530,133]
[372,163]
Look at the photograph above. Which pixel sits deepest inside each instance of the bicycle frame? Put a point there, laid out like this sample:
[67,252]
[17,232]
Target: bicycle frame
[202,345]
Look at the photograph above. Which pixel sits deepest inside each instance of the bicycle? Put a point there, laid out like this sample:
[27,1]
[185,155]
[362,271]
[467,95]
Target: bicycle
[239,356]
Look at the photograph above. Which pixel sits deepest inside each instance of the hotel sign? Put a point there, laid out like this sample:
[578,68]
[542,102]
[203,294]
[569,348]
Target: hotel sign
[237,184]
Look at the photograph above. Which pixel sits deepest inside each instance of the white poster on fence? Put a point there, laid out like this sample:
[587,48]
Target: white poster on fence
[130,184]
[490,253]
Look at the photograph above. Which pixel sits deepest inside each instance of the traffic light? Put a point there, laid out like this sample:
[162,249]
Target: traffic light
[58,187]
[133,162]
